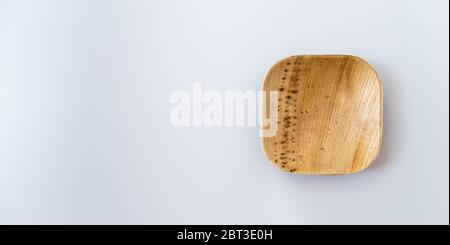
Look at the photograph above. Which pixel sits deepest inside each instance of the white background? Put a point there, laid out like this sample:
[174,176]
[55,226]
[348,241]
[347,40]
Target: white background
[85,136]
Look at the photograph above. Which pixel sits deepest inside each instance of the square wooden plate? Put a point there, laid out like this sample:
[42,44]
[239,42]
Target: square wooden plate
[329,114]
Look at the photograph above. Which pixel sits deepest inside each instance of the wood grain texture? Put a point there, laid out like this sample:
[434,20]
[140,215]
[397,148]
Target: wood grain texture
[329,114]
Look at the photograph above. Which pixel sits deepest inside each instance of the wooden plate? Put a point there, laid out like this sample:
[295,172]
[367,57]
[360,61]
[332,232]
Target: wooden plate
[329,114]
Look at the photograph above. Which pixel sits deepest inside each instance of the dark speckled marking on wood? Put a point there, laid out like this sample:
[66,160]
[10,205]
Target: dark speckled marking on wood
[289,104]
